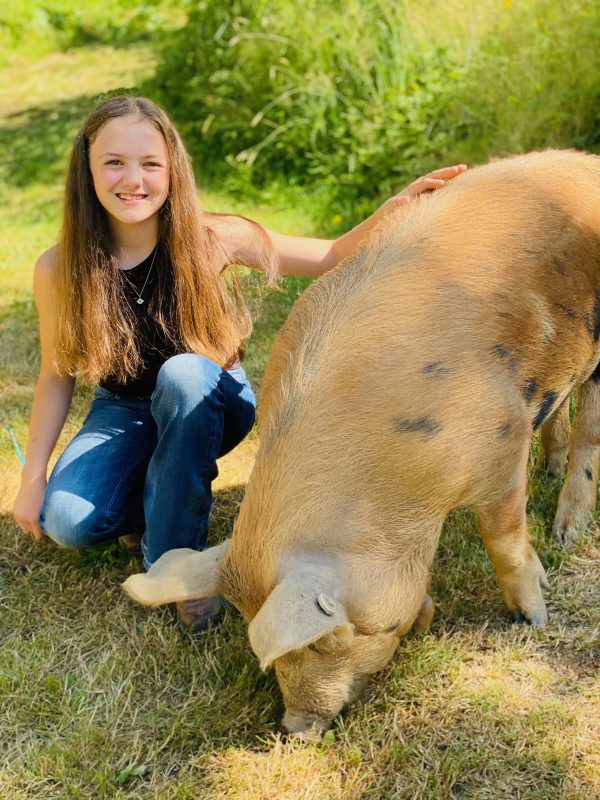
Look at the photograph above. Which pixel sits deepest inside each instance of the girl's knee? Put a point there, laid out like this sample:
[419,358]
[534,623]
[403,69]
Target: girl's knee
[73,522]
[186,375]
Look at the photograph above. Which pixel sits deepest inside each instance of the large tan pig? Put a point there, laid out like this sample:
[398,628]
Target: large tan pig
[405,383]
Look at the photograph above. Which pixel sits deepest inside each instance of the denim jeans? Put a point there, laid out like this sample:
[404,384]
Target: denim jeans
[149,464]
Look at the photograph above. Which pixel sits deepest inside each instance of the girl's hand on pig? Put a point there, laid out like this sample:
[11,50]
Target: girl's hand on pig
[426,183]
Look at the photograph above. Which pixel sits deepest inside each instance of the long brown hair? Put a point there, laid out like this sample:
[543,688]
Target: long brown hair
[193,306]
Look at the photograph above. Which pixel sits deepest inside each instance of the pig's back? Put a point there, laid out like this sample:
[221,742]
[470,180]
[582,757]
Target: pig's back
[481,297]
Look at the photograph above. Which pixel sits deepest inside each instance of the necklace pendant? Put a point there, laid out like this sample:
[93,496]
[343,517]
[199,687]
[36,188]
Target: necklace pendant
[139,301]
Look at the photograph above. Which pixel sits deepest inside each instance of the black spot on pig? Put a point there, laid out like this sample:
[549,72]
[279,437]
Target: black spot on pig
[597,317]
[592,319]
[588,474]
[505,355]
[548,401]
[504,430]
[435,369]
[567,311]
[558,266]
[426,425]
[529,389]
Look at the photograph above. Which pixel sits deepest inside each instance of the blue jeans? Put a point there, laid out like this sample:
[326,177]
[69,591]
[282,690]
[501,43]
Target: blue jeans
[148,464]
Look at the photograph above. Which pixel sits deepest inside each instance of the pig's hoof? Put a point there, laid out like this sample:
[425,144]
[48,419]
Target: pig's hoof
[538,620]
[553,466]
[304,736]
[569,526]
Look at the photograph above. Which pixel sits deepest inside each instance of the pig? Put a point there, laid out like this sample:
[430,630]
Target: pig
[405,383]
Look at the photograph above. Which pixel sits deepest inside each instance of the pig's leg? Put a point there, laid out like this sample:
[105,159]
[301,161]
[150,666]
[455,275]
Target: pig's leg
[578,496]
[425,615]
[554,441]
[503,528]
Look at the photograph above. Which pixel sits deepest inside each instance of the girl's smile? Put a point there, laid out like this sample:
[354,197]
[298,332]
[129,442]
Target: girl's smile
[131,198]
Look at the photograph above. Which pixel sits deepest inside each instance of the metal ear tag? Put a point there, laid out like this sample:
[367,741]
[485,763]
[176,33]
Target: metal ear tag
[326,604]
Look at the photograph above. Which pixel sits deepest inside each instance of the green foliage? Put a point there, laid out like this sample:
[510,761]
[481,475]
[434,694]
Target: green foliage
[354,97]
[36,27]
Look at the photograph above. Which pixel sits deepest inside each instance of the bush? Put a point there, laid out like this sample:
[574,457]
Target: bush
[357,97]
[329,92]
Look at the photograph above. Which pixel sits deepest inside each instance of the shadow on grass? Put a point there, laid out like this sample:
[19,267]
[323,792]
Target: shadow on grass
[110,554]
[34,144]
[70,602]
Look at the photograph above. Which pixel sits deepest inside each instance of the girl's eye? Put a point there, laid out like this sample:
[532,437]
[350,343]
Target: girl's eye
[152,164]
[114,162]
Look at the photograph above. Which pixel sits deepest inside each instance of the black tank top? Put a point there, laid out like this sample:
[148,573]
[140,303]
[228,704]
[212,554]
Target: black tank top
[155,347]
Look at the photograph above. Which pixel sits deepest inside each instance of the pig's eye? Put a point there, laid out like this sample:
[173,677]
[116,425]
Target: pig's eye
[325,646]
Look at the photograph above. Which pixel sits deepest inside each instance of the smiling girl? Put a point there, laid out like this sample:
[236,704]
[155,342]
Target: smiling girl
[133,300]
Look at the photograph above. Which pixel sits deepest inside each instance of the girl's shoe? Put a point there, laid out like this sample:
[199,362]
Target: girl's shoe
[198,615]
[132,542]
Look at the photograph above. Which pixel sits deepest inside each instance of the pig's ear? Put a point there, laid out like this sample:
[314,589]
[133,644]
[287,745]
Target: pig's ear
[180,574]
[298,612]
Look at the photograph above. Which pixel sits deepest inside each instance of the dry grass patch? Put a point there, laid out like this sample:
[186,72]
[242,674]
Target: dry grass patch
[283,771]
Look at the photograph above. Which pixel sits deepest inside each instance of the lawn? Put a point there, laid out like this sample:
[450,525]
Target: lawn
[103,699]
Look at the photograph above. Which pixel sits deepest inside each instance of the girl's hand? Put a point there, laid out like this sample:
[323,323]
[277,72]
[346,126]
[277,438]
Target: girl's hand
[427,183]
[28,505]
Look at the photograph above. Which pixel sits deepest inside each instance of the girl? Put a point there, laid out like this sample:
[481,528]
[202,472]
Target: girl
[133,298]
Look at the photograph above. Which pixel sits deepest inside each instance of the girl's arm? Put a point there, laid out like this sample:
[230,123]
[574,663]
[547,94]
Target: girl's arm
[51,402]
[300,255]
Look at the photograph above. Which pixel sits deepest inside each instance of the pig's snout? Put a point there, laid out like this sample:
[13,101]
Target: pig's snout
[307,727]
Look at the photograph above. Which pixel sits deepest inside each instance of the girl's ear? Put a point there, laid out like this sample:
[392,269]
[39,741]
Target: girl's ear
[181,574]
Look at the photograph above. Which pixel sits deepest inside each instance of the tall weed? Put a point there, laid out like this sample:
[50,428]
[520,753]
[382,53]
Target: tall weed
[534,81]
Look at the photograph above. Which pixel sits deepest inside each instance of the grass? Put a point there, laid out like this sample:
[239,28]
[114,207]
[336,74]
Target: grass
[102,699]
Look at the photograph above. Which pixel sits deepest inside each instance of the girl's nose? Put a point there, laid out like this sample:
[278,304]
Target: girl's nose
[133,177]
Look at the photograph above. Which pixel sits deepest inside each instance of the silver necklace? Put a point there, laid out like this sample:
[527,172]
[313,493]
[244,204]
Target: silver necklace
[139,294]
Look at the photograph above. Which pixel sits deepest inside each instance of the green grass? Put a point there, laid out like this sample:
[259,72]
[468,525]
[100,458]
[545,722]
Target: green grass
[31,29]
[103,699]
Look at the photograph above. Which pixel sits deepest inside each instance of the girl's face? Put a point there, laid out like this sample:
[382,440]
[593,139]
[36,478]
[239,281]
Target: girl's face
[130,169]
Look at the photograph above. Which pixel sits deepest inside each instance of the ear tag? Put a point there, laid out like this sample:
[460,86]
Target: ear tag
[326,604]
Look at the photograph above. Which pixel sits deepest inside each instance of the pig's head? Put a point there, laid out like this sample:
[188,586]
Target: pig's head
[321,659]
